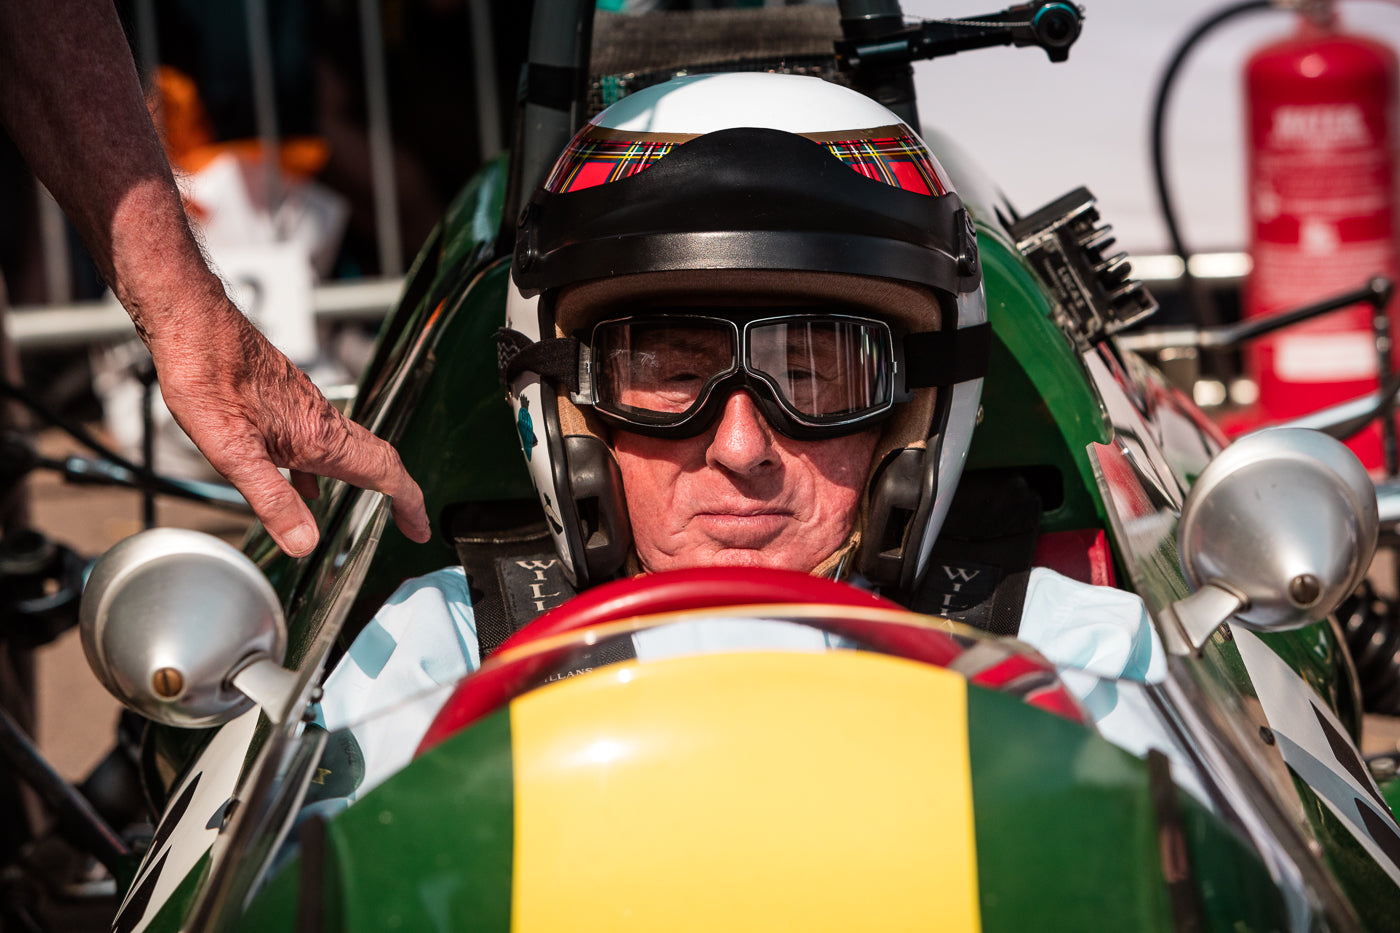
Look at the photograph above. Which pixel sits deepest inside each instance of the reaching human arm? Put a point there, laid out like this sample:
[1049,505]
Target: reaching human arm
[70,97]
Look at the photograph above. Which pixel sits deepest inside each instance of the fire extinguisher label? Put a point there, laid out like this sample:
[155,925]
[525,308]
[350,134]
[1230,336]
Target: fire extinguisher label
[1284,278]
[1322,199]
[1325,357]
[1320,126]
[1322,192]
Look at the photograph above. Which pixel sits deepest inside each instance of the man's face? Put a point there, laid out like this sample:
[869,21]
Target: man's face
[741,494]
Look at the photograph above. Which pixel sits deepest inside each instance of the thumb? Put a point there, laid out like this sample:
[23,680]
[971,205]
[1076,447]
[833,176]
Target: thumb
[277,505]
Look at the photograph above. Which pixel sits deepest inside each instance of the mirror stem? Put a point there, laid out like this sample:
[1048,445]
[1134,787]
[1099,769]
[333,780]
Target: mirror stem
[268,684]
[1200,614]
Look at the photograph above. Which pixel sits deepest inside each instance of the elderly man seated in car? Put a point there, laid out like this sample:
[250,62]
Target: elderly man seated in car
[746,329]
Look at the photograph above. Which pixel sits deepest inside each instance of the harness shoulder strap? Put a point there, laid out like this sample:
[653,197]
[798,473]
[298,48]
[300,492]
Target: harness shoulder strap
[515,575]
[511,567]
[980,564]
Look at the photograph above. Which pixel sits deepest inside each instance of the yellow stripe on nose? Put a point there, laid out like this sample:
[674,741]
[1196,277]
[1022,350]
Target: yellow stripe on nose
[764,791]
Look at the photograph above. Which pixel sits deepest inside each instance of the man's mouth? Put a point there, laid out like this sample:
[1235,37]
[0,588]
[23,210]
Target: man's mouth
[745,512]
[757,510]
[744,527]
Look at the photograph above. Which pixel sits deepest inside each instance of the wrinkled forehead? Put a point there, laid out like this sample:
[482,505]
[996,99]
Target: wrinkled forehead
[909,307]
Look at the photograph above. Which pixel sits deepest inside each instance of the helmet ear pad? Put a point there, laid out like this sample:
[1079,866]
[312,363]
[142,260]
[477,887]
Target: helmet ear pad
[902,489]
[597,501]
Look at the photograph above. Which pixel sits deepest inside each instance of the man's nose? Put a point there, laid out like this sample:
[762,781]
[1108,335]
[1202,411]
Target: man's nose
[743,440]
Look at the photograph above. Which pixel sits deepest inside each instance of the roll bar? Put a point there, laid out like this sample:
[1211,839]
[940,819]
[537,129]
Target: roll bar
[876,49]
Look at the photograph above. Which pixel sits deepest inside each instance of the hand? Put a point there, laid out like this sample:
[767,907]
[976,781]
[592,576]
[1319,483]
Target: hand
[250,410]
[68,76]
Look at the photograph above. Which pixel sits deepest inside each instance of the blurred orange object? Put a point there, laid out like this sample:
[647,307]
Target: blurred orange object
[177,110]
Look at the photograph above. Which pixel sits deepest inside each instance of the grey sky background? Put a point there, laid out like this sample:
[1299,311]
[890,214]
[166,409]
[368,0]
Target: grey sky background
[1041,129]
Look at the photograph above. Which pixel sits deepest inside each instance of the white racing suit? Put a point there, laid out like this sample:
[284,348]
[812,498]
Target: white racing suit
[425,637]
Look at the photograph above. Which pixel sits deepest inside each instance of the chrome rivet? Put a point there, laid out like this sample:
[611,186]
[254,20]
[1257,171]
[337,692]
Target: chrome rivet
[168,683]
[1304,590]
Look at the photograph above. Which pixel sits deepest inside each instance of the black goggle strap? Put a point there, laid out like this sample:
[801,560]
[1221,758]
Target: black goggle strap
[555,359]
[931,359]
[946,357]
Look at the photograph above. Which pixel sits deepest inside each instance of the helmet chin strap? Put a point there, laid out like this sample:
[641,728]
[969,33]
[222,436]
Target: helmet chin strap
[838,564]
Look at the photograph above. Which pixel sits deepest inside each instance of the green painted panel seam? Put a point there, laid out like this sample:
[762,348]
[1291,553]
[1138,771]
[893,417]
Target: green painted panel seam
[434,845]
[1065,833]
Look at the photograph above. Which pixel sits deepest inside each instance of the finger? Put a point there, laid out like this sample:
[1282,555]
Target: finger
[369,462]
[277,505]
[410,514]
[305,484]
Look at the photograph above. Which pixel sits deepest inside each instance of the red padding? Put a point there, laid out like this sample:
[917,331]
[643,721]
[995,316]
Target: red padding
[1081,554]
[675,591]
[1059,701]
[698,588]
[1006,671]
[495,685]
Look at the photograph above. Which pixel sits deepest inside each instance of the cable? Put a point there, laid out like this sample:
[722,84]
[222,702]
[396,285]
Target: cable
[76,431]
[1205,310]
[141,477]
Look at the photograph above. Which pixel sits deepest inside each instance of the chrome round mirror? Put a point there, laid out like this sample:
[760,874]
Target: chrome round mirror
[1285,519]
[169,616]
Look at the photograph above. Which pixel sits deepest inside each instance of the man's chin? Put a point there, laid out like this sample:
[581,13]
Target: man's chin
[774,541]
[772,558]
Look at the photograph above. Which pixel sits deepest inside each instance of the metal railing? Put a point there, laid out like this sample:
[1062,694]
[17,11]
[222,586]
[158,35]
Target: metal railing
[61,322]
[44,327]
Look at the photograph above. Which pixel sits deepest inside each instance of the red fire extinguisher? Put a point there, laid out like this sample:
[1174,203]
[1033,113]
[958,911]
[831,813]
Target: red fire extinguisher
[1321,112]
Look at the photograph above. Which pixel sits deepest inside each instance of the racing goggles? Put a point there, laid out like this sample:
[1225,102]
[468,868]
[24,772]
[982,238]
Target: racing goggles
[811,374]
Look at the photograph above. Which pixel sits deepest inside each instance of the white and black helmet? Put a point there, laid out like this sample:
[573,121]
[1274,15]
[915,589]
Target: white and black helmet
[754,193]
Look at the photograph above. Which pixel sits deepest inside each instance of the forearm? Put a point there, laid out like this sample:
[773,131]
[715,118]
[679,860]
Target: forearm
[71,99]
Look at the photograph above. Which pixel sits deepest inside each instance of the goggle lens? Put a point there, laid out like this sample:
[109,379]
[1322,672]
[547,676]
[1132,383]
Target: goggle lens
[659,368]
[821,370]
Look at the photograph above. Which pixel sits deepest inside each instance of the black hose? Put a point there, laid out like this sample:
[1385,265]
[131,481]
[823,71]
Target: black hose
[140,476]
[1205,309]
[1371,624]
[75,814]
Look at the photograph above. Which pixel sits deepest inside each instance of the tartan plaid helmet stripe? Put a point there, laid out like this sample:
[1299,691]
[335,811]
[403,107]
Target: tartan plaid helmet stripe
[590,161]
[597,156]
[899,160]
